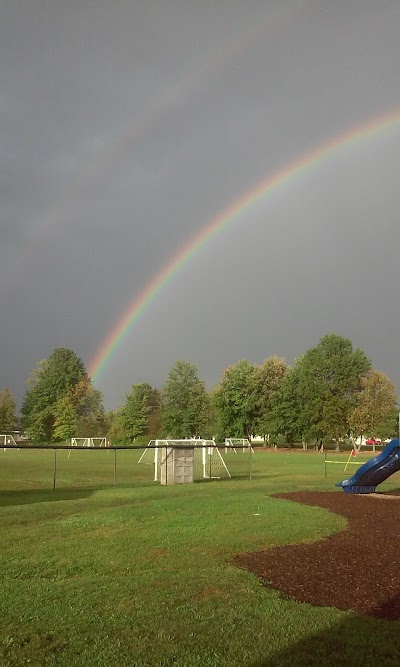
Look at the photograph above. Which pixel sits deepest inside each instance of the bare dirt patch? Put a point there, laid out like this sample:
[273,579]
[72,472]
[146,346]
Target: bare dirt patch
[357,569]
[210,593]
[158,553]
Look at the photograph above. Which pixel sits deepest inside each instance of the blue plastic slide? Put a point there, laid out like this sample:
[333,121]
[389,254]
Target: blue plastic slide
[374,471]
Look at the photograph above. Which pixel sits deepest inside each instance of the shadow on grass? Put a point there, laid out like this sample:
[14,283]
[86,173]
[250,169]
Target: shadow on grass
[12,498]
[357,640]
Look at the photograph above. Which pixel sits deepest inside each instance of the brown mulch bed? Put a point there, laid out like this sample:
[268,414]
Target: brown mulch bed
[358,568]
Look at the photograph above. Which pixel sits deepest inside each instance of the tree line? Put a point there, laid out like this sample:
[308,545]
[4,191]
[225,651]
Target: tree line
[330,393]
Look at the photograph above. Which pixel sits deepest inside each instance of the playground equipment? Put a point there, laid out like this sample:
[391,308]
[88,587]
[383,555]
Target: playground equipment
[374,471]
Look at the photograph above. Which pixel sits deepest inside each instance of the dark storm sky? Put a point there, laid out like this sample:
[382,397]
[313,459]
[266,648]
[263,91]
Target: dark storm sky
[125,127]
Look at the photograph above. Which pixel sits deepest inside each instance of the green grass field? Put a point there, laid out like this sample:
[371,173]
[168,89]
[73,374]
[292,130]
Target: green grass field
[141,575]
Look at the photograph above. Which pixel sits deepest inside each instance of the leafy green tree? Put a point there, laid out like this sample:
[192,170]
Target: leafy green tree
[8,409]
[91,426]
[236,401]
[114,427]
[52,379]
[376,404]
[389,426]
[327,384]
[136,412]
[185,402]
[210,430]
[64,427]
[286,414]
[268,380]
[39,427]
[87,400]
[89,409]
[154,424]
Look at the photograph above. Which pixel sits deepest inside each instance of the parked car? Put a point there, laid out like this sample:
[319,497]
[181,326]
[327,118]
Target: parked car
[373,441]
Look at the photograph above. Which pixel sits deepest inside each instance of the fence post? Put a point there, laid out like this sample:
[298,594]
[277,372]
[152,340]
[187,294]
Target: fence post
[115,467]
[250,460]
[55,469]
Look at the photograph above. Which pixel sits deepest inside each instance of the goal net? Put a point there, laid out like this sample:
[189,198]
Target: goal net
[89,442]
[238,443]
[208,462]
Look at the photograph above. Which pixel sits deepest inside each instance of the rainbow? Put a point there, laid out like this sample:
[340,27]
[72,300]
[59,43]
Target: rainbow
[216,225]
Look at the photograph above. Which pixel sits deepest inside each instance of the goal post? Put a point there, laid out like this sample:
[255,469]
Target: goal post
[7,439]
[89,442]
[238,443]
[208,462]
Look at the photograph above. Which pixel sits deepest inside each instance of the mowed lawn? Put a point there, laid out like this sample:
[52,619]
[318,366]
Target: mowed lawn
[141,574]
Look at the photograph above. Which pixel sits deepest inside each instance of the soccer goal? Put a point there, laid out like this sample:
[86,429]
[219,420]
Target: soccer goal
[208,462]
[238,443]
[6,439]
[89,442]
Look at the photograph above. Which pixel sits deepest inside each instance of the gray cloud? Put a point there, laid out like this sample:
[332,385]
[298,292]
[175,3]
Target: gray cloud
[125,127]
